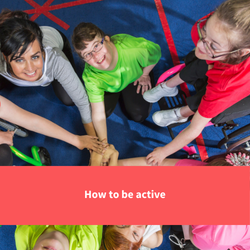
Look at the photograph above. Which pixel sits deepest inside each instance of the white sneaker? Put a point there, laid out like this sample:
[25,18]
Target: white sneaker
[156,93]
[166,117]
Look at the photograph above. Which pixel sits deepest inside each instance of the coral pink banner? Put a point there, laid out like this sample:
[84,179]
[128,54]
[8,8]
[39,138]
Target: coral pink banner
[131,195]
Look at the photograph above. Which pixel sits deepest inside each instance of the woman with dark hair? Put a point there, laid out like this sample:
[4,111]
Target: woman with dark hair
[39,56]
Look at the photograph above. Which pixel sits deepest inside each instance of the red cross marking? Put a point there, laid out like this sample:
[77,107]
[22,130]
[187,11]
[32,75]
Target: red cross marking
[46,8]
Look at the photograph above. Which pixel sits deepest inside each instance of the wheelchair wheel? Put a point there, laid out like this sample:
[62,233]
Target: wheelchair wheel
[12,127]
[243,143]
[234,137]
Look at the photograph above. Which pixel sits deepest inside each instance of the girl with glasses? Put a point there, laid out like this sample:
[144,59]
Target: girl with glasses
[219,67]
[39,56]
[115,66]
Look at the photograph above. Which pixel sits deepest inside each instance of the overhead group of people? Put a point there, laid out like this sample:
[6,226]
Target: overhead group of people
[132,237]
[120,68]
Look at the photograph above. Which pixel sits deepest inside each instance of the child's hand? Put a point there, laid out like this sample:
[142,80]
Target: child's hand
[91,143]
[6,137]
[95,159]
[156,157]
[144,83]
[110,156]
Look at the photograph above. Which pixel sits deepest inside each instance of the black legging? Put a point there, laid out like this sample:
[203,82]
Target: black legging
[6,157]
[132,104]
[194,73]
[59,90]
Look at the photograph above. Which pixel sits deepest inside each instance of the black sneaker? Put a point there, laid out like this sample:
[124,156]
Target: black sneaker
[177,241]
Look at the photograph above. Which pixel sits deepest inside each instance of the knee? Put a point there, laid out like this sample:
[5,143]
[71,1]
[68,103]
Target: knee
[138,117]
[67,102]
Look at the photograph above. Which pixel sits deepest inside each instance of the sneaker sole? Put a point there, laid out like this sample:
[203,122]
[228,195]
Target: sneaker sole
[156,100]
[179,121]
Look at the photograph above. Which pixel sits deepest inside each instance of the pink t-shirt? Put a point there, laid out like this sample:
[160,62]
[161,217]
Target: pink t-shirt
[221,237]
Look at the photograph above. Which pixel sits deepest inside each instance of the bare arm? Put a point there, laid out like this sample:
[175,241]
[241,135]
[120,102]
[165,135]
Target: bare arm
[191,235]
[154,240]
[89,128]
[141,161]
[186,136]
[99,119]
[14,114]
[148,69]
[185,229]
[174,81]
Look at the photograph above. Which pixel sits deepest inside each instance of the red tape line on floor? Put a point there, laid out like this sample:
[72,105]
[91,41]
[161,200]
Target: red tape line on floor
[38,10]
[173,52]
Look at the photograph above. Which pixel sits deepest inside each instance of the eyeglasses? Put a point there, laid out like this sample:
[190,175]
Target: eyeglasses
[96,49]
[206,44]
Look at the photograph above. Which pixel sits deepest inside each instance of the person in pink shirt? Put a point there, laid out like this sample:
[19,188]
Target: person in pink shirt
[221,237]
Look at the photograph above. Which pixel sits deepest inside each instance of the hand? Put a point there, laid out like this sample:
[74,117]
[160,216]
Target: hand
[110,156]
[91,143]
[144,83]
[105,143]
[156,157]
[95,159]
[6,137]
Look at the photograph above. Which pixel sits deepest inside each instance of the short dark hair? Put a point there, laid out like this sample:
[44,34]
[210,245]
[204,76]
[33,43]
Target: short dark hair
[18,33]
[85,32]
[7,14]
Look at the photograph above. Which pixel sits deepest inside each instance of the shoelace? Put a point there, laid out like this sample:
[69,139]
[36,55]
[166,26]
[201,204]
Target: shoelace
[177,241]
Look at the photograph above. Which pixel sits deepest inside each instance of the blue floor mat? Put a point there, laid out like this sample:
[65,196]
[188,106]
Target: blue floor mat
[138,18]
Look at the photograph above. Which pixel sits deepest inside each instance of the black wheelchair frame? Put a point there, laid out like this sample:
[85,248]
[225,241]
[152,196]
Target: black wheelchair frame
[238,138]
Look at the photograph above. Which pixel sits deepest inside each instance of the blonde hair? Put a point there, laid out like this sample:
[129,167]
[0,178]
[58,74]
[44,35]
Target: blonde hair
[235,17]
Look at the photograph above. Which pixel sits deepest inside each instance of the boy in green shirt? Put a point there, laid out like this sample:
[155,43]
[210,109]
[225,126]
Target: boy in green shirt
[112,65]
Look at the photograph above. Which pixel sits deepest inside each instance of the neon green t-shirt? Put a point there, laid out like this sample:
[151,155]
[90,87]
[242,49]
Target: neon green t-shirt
[80,237]
[134,54]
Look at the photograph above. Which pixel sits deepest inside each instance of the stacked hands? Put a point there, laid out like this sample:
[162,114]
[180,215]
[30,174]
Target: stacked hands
[91,143]
[107,157]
